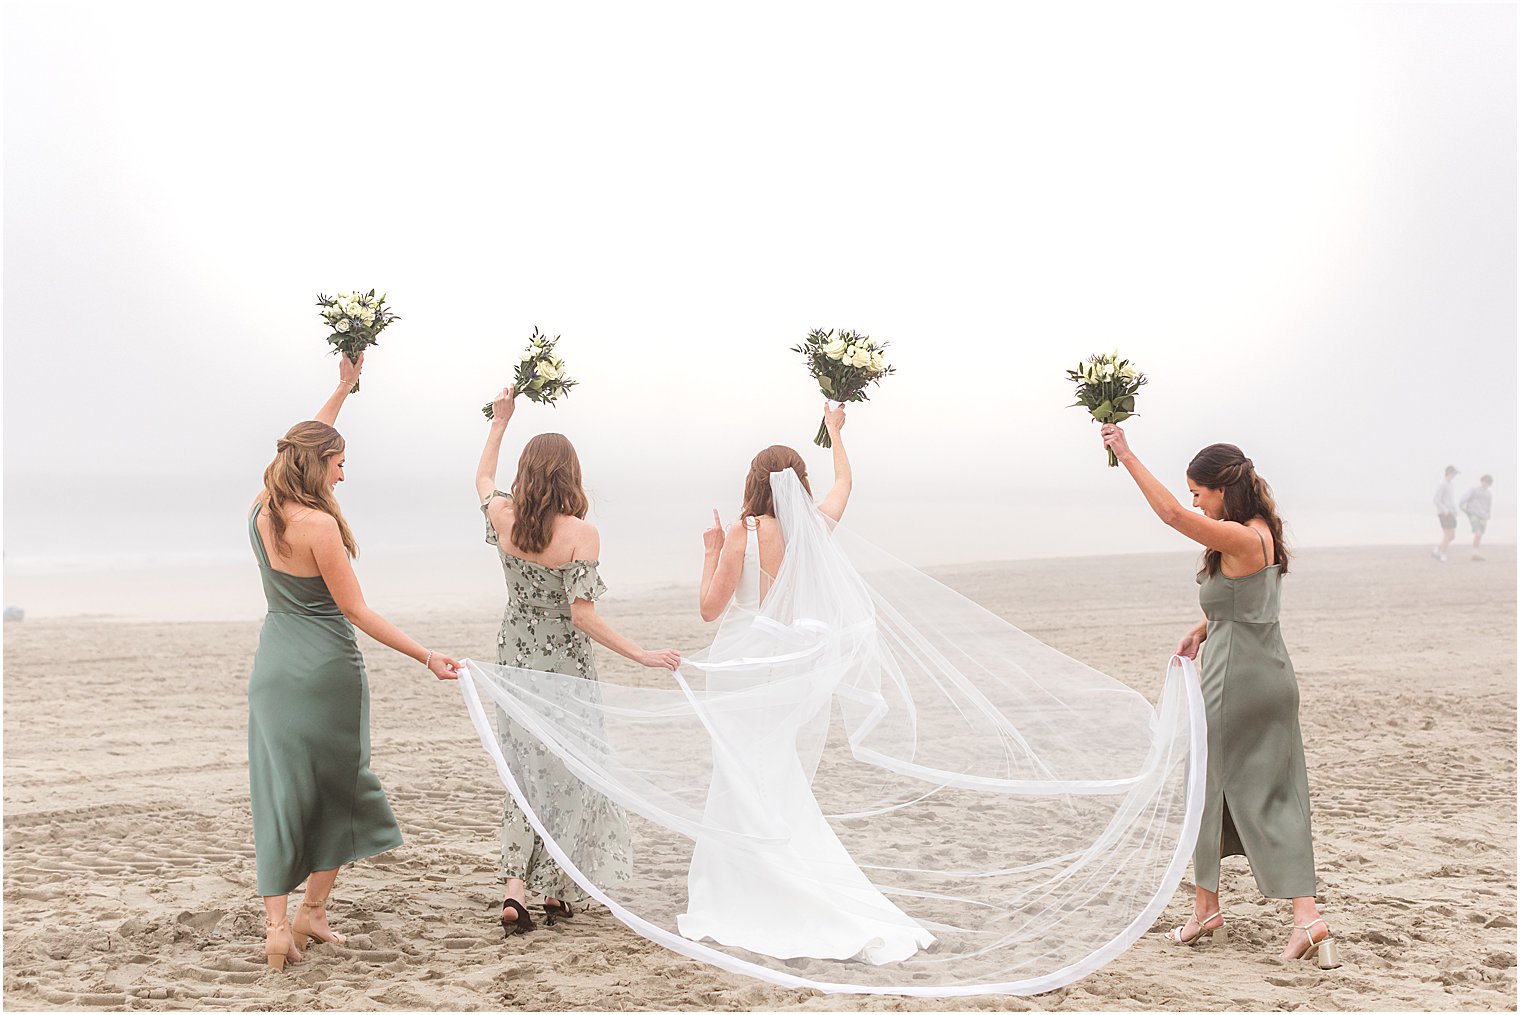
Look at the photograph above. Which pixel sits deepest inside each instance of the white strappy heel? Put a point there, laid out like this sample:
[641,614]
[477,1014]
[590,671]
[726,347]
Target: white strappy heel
[1324,951]
[1219,933]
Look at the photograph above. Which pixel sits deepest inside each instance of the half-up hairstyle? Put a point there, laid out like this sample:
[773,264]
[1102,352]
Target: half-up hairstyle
[1246,496]
[298,475]
[548,483]
[757,485]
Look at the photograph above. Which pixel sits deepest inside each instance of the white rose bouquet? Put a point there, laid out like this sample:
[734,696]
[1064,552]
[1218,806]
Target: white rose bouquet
[355,320]
[844,365]
[1106,386]
[540,374]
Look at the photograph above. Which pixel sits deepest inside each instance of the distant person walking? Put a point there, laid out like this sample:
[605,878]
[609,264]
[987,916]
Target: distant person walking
[1478,504]
[1446,510]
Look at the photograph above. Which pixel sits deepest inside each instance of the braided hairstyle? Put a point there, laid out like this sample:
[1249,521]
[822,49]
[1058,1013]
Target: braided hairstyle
[298,475]
[548,483]
[757,485]
[1246,496]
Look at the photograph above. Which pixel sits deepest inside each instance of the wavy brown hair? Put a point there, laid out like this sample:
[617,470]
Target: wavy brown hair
[757,485]
[298,475]
[548,483]
[1246,496]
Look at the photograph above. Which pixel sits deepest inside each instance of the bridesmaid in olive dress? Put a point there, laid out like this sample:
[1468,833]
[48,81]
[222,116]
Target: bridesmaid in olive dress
[1257,787]
[316,804]
[549,557]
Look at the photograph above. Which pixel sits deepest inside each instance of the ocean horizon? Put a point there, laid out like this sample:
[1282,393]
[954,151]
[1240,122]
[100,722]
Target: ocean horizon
[162,548]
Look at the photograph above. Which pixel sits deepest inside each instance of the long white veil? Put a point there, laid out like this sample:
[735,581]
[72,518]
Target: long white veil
[1026,816]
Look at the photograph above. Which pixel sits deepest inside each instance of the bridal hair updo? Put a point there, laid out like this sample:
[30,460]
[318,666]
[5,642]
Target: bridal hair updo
[1246,495]
[757,485]
[298,476]
[548,483]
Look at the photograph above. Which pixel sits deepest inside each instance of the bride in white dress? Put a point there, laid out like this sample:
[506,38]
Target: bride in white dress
[803,896]
[868,782]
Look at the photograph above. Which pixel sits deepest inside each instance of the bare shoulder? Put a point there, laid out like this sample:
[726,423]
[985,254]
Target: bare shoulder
[1259,526]
[583,536]
[499,506]
[768,535]
[571,525]
[312,524]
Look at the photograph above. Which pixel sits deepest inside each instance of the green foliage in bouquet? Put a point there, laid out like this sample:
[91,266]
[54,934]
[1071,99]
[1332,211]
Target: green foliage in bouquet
[540,375]
[355,320]
[1106,387]
[844,365]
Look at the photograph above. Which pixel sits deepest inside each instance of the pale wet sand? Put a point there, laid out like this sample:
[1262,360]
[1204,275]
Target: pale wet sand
[129,864]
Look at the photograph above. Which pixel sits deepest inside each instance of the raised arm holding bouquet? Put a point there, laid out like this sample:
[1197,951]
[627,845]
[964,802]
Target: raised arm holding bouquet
[844,365]
[540,375]
[355,320]
[1106,387]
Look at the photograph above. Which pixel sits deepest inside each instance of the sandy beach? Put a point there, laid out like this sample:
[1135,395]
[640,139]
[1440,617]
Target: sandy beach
[129,877]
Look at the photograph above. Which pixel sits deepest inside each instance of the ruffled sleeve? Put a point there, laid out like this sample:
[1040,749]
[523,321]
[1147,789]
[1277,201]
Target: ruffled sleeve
[491,536]
[582,581]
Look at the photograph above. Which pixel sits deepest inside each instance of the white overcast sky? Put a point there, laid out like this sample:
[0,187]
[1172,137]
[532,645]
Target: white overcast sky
[1300,220]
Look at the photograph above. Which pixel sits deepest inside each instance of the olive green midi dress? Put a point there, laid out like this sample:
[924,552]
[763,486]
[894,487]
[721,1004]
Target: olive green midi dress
[316,804]
[1257,785]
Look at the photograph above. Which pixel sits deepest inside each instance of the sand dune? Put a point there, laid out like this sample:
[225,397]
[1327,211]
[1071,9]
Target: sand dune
[129,862]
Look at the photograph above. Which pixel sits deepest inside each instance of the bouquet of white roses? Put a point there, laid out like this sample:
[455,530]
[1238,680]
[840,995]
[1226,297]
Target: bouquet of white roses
[844,365]
[1106,386]
[355,320]
[540,374]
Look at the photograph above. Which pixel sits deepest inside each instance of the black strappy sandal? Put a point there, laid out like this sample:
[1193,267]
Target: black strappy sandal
[555,909]
[521,924]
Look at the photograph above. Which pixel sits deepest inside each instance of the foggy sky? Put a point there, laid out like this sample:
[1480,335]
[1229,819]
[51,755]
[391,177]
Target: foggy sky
[1299,221]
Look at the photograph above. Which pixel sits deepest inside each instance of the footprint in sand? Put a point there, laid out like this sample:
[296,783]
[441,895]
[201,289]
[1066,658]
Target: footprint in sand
[204,922]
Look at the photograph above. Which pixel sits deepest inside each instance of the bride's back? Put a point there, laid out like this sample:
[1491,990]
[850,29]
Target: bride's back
[759,517]
[763,553]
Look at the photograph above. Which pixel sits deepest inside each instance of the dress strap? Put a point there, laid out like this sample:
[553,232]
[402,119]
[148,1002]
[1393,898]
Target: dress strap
[1262,540]
[752,526]
[256,538]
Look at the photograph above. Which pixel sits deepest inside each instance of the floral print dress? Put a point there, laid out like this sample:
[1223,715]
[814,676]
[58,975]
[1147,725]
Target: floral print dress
[536,634]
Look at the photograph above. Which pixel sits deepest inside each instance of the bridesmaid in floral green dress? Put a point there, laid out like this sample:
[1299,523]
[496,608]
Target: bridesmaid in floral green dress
[549,557]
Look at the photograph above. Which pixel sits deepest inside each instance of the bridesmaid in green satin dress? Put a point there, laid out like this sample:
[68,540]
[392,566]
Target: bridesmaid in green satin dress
[316,804]
[1256,800]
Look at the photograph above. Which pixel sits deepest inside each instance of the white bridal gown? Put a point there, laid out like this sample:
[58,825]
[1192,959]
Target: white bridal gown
[800,894]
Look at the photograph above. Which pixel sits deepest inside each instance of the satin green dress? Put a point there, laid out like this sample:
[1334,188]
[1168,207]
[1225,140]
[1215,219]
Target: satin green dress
[316,804]
[1257,785]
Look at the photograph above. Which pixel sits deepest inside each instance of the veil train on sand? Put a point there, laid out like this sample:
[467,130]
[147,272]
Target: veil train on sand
[867,783]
